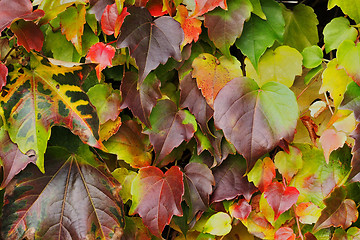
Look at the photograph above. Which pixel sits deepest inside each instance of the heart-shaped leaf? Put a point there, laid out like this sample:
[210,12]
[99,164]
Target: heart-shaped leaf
[157,196]
[262,173]
[28,34]
[263,116]
[147,41]
[331,140]
[289,164]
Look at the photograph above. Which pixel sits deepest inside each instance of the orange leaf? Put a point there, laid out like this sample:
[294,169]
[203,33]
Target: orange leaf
[111,21]
[190,25]
[331,140]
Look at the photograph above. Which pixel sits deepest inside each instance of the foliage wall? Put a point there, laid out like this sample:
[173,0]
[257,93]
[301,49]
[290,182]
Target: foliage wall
[179,119]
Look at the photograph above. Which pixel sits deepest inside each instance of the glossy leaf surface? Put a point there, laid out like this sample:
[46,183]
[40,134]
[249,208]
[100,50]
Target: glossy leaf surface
[285,233]
[218,224]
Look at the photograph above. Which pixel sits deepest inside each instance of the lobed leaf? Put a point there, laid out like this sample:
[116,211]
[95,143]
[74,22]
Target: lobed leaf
[349,7]
[190,25]
[204,6]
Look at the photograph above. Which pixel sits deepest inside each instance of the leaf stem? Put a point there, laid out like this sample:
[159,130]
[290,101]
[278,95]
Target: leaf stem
[328,103]
[298,224]
[8,54]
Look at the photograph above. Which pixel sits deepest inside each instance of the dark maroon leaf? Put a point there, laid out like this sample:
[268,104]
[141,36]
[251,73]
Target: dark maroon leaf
[310,236]
[3,75]
[142,99]
[198,184]
[12,159]
[230,181]
[338,211]
[191,98]
[72,200]
[28,34]
[150,42]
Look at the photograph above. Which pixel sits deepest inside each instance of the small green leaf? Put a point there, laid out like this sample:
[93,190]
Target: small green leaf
[125,178]
[288,164]
[218,224]
[312,56]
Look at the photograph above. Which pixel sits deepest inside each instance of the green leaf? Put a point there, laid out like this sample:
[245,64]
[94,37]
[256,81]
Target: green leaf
[336,31]
[301,27]
[224,26]
[262,118]
[348,56]
[257,9]
[259,34]
[289,164]
[349,7]
[125,178]
[218,224]
[312,56]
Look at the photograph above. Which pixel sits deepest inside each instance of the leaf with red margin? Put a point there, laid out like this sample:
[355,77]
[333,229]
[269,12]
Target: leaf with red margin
[280,198]
[72,200]
[331,140]
[140,99]
[230,181]
[150,42]
[190,25]
[198,183]
[28,34]
[13,161]
[111,20]
[156,8]
[204,6]
[15,9]
[157,196]
[98,7]
[262,173]
[102,54]
[3,75]
[339,211]
[240,210]
[170,127]
[285,233]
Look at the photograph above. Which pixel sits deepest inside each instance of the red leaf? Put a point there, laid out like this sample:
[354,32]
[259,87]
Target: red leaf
[263,173]
[285,233]
[157,196]
[280,198]
[28,34]
[204,6]
[240,210]
[98,7]
[111,21]
[102,54]
[3,75]
[190,25]
[155,8]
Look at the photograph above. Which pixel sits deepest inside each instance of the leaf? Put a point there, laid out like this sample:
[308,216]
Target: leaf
[3,75]
[135,229]
[348,56]
[140,99]
[73,199]
[280,65]
[349,7]
[225,26]
[191,98]
[262,118]
[98,7]
[28,34]
[230,181]
[198,183]
[262,173]
[170,127]
[11,159]
[300,27]
[111,20]
[289,164]
[331,140]
[102,54]
[157,196]
[257,225]
[204,6]
[218,224]
[307,212]
[72,25]
[240,210]
[280,198]
[285,233]
[106,100]
[125,178]
[338,211]
[259,34]
[130,145]
[312,56]
[212,74]
[15,9]
[337,31]
[190,25]
[150,42]
[50,95]
[257,9]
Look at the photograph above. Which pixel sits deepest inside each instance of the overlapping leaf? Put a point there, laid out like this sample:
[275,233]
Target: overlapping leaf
[262,173]
[111,20]
[218,224]
[263,116]
[28,34]
[204,6]
[285,233]
[289,163]
[307,212]
[72,200]
[348,56]
[240,210]
[349,7]
[190,25]
[3,75]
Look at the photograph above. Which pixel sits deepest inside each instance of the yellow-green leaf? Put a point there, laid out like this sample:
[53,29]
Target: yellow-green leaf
[218,224]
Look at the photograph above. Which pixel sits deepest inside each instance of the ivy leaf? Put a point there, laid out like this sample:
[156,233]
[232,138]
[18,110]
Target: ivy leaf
[140,99]
[338,211]
[285,233]
[337,31]
[289,163]
[259,34]
[3,75]
[280,198]
[257,9]
[198,183]
[190,25]
[102,54]
[48,204]
[111,20]
[125,178]
[218,224]
[263,117]
[257,225]
[130,145]
[98,7]
[301,27]
[204,6]
[240,210]
[307,212]
[212,74]
[348,56]
[225,26]
[170,127]
[262,173]
[230,181]
[349,7]
[312,56]
[13,161]
[150,42]
[28,34]
[50,95]
[331,140]
[157,196]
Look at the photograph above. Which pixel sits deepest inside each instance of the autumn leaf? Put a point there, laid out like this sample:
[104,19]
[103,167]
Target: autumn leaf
[262,118]
[218,224]
[102,54]
[157,196]
[28,34]
[190,25]
[111,20]
[280,198]
[240,210]
[125,178]
[204,6]
[285,233]
[3,75]
[348,56]
[212,74]
[262,173]
[49,205]
[257,225]
[307,212]
[331,140]
[150,42]
[289,164]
